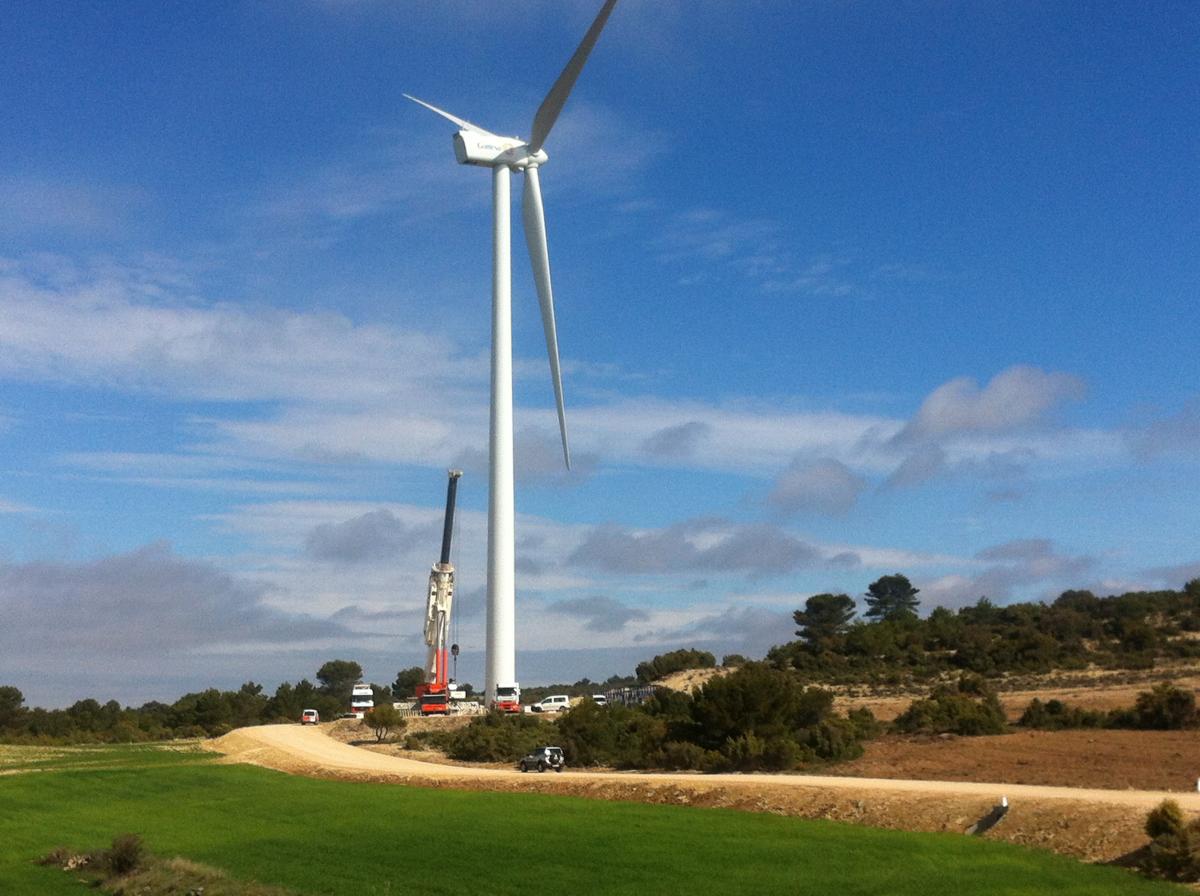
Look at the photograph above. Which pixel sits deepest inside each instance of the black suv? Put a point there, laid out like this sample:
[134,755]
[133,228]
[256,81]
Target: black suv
[543,758]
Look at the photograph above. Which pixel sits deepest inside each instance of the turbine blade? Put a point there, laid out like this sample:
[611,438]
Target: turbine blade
[539,258]
[547,113]
[461,122]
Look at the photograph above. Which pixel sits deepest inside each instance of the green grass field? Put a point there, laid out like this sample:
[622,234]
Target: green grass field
[325,837]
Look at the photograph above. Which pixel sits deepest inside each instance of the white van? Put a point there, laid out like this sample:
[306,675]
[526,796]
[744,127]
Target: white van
[555,703]
[599,699]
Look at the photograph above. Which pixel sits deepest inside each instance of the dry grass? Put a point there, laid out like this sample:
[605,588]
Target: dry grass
[20,759]
[159,877]
[690,680]
[1100,689]
[11,757]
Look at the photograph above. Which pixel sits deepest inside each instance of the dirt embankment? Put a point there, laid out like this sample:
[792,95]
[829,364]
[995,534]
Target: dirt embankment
[1091,824]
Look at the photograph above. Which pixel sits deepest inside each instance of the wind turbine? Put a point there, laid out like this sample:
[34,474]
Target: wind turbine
[474,145]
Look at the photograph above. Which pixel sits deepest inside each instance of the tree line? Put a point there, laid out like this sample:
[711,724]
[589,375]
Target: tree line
[760,718]
[206,713]
[891,643]
[756,717]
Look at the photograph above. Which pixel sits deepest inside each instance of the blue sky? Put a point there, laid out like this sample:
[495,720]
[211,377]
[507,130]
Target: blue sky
[843,289]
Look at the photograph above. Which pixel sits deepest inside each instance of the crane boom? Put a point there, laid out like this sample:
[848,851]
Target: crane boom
[434,693]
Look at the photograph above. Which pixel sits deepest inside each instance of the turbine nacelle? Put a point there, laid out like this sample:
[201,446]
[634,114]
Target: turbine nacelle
[488,150]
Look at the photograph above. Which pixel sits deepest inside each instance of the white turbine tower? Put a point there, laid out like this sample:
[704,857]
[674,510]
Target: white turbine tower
[475,146]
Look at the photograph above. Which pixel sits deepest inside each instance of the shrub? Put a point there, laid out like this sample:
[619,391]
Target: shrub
[1165,818]
[1166,707]
[833,739]
[125,855]
[674,661]
[495,737]
[383,720]
[968,707]
[756,717]
[1054,715]
[420,740]
[865,723]
[1174,851]
[682,755]
[594,735]
[759,717]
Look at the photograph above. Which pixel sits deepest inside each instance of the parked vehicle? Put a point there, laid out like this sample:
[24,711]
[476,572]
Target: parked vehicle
[543,758]
[555,703]
[599,699]
[508,698]
[362,700]
[310,717]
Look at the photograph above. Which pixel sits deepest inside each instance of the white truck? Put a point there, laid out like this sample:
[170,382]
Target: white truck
[362,700]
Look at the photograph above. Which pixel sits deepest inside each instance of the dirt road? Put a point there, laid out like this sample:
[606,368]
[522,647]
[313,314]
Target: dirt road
[1098,825]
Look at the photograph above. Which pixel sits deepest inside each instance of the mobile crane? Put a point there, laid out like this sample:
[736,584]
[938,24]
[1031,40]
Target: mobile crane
[433,696]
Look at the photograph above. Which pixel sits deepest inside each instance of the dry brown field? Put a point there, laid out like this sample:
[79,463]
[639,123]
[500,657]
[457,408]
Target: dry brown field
[1113,760]
[1101,689]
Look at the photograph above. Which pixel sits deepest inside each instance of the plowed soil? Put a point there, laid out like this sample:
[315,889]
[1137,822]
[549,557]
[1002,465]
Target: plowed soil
[1091,824]
[1118,760]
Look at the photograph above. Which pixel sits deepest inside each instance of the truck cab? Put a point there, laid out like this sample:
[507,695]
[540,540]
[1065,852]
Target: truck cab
[508,698]
[362,700]
[434,702]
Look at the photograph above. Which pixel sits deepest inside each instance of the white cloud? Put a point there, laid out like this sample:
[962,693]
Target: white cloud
[343,392]
[923,464]
[1027,568]
[599,613]
[676,442]
[694,546]
[141,603]
[1175,576]
[1177,433]
[123,329]
[38,203]
[1014,398]
[825,486]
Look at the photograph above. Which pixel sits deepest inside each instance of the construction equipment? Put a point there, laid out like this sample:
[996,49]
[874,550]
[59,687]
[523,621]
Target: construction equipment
[362,700]
[433,696]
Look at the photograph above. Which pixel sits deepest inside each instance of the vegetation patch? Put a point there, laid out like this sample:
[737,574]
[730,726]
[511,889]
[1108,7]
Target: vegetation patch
[967,706]
[674,661]
[1164,707]
[127,869]
[891,645]
[1174,849]
[341,839]
[20,759]
[754,718]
